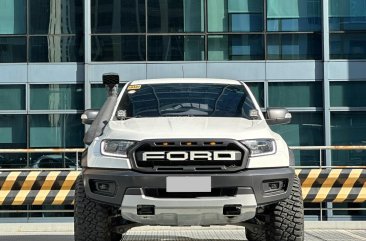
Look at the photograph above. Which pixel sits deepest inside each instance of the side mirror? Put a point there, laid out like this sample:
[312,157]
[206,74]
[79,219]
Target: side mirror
[89,116]
[275,116]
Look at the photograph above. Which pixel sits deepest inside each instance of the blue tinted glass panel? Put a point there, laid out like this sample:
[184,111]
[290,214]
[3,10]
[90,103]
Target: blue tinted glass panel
[244,22]
[110,16]
[235,16]
[175,16]
[348,46]
[13,49]
[99,95]
[303,94]
[348,128]
[235,47]
[12,97]
[56,16]
[56,130]
[13,134]
[350,93]
[176,48]
[294,15]
[13,16]
[347,15]
[57,97]
[294,46]
[118,48]
[258,91]
[305,129]
[56,49]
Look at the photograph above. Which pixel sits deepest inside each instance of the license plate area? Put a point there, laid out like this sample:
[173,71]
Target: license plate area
[188,184]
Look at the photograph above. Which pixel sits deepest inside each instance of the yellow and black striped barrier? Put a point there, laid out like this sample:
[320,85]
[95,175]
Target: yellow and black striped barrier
[37,187]
[333,185]
[57,187]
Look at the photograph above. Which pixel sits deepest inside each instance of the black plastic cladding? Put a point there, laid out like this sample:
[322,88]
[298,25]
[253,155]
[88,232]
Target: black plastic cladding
[189,166]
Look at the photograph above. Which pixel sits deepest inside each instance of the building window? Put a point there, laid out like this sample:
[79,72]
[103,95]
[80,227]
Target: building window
[13,49]
[348,128]
[55,130]
[294,15]
[257,88]
[295,94]
[348,45]
[12,97]
[346,15]
[58,48]
[118,48]
[110,16]
[347,23]
[176,48]
[305,129]
[57,97]
[55,16]
[175,16]
[13,17]
[235,16]
[235,47]
[347,94]
[99,95]
[13,134]
[294,46]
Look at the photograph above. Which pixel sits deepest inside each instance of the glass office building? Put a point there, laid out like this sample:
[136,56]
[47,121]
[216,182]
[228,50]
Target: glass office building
[306,55]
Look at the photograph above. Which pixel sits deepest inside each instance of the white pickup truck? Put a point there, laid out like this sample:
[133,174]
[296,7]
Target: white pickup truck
[182,152]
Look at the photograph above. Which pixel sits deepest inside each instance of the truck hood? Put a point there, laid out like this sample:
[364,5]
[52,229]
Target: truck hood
[187,127]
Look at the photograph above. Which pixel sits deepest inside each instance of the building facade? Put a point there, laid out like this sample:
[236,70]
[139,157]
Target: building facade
[306,55]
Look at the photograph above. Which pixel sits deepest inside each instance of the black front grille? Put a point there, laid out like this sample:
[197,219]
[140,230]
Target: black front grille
[215,192]
[189,156]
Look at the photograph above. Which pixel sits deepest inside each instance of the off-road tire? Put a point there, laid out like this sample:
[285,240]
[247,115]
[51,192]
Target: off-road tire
[92,220]
[255,235]
[286,219]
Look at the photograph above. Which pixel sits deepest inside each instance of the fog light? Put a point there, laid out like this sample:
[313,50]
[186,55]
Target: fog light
[101,187]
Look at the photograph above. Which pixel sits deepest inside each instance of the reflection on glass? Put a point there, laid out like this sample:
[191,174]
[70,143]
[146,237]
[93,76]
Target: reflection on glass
[12,97]
[12,16]
[56,49]
[303,94]
[57,97]
[294,15]
[53,160]
[348,46]
[118,16]
[55,16]
[13,49]
[235,47]
[346,93]
[294,46]
[56,131]
[257,89]
[13,134]
[99,95]
[347,15]
[305,129]
[235,16]
[175,16]
[176,48]
[348,128]
[118,48]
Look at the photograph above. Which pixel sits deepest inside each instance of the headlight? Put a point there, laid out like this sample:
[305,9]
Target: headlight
[261,147]
[116,148]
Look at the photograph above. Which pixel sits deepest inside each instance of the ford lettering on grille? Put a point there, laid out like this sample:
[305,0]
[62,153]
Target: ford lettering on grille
[192,155]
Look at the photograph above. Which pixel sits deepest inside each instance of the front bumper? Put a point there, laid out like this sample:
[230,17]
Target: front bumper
[253,179]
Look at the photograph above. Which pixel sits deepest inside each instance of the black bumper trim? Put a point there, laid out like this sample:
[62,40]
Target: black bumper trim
[127,179]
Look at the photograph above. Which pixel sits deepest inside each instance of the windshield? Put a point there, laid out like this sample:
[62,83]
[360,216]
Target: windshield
[185,99]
